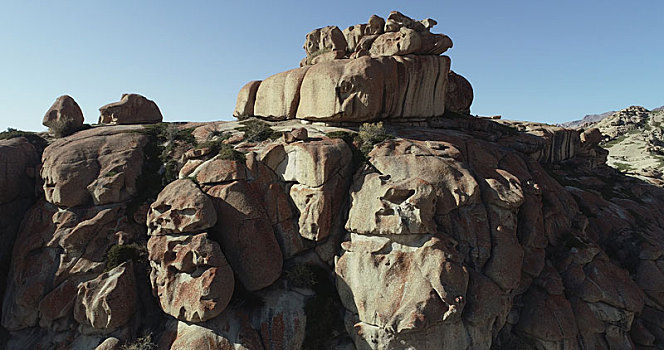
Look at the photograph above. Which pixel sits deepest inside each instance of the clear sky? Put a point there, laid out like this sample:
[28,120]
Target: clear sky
[548,61]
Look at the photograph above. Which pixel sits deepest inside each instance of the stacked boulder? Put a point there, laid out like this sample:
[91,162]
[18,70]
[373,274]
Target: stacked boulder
[384,69]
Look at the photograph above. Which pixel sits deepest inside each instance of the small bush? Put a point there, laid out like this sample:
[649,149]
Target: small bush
[118,254]
[142,343]
[39,142]
[301,276]
[111,173]
[256,130]
[229,153]
[371,135]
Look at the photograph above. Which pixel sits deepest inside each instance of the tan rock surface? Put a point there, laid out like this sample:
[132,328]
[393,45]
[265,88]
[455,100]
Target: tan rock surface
[131,109]
[99,165]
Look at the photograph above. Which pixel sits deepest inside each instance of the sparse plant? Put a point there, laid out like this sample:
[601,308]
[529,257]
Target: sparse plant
[111,173]
[117,254]
[624,167]
[142,343]
[39,142]
[229,153]
[63,127]
[256,130]
[371,135]
[301,276]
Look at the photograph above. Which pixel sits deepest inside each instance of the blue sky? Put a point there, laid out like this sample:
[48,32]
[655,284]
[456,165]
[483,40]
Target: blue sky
[548,61]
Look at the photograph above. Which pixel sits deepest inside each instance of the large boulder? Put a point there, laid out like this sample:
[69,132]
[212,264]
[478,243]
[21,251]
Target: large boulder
[64,117]
[324,44]
[99,166]
[459,94]
[190,276]
[246,235]
[181,207]
[131,109]
[18,164]
[108,301]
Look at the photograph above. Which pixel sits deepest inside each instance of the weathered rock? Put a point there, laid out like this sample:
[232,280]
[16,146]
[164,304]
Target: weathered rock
[108,301]
[322,41]
[402,42]
[181,207]
[99,165]
[111,343]
[419,186]
[221,170]
[229,331]
[18,161]
[367,89]
[309,163]
[402,285]
[242,224]
[190,276]
[279,95]
[354,34]
[64,117]
[319,207]
[246,98]
[131,109]
[298,134]
[282,319]
[459,94]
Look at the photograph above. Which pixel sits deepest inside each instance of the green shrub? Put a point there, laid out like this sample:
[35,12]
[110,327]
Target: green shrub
[142,343]
[39,142]
[229,153]
[371,135]
[63,127]
[256,130]
[301,275]
[118,254]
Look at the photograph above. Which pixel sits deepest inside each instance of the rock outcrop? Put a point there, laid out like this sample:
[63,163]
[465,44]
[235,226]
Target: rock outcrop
[131,109]
[380,70]
[454,232]
[64,117]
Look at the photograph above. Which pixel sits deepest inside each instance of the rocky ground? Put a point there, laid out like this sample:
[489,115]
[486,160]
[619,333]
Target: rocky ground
[633,136]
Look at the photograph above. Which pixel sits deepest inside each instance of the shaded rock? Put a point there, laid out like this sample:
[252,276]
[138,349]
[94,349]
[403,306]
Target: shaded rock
[354,34]
[282,319]
[18,161]
[64,117]
[459,94]
[319,207]
[181,207]
[108,301]
[190,276]
[241,226]
[131,109]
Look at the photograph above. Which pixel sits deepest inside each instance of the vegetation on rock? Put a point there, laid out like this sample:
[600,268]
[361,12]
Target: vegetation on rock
[256,130]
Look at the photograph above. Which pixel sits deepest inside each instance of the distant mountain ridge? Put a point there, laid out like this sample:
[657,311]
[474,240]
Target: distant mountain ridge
[594,118]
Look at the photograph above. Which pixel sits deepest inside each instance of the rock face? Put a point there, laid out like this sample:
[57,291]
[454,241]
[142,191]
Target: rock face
[99,165]
[64,117]
[374,71]
[131,109]
[108,301]
[441,233]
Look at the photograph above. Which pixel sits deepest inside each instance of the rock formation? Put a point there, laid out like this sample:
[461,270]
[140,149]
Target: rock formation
[64,117]
[131,109]
[456,233]
[380,70]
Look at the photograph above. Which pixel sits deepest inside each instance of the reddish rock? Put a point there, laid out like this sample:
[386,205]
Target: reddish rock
[64,117]
[108,301]
[190,276]
[131,109]
[181,207]
[242,225]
